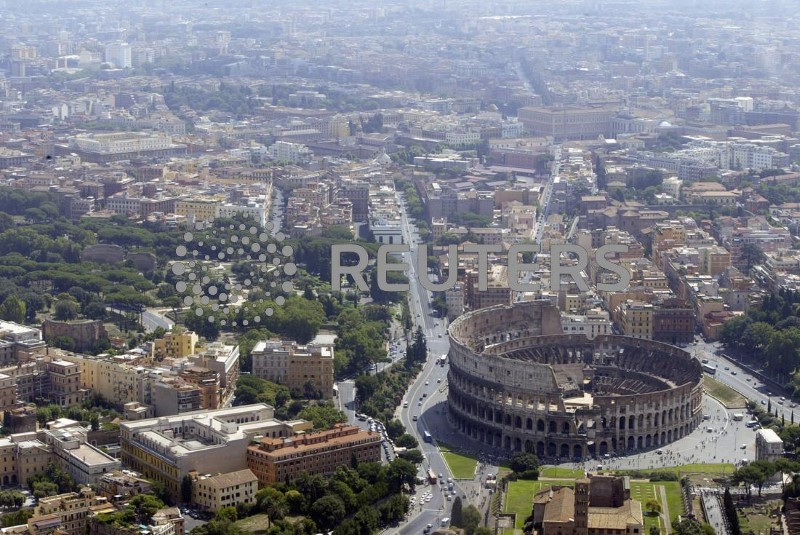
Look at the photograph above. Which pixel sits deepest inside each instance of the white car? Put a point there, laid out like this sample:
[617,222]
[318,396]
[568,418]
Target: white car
[427,383]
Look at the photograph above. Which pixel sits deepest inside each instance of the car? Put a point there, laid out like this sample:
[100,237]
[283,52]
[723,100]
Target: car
[427,383]
[440,335]
[763,402]
[780,402]
[727,368]
[748,380]
[441,476]
[734,373]
[439,380]
[783,398]
[659,452]
[793,405]
[405,404]
[415,417]
[419,404]
[449,479]
[744,446]
[424,394]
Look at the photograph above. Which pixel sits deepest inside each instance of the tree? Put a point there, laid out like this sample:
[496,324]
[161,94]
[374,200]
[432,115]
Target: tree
[228,514]
[406,441]
[324,415]
[186,489]
[653,507]
[751,255]
[730,512]
[13,309]
[400,473]
[690,526]
[395,427]
[327,512]
[94,421]
[366,386]
[471,519]
[525,465]
[655,530]
[413,455]
[456,517]
[66,309]
[145,506]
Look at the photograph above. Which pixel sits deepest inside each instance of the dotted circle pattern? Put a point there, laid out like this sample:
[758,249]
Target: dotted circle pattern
[241,243]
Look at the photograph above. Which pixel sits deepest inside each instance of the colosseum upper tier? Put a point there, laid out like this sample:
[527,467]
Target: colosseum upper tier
[517,382]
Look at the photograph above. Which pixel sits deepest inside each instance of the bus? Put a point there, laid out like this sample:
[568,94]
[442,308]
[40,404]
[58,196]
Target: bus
[431,476]
[442,360]
[709,369]
[427,436]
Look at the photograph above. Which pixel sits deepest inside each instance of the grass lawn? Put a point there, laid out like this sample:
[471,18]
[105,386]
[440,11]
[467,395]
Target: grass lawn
[558,472]
[254,524]
[713,469]
[728,396]
[461,466]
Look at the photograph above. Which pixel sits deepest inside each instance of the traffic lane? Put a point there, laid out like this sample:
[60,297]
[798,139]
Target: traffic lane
[737,378]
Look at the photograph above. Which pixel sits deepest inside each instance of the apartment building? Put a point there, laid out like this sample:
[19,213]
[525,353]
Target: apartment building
[8,392]
[497,291]
[167,449]
[593,323]
[223,359]
[636,319]
[224,490]
[175,344]
[16,340]
[300,368]
[65,513]
[274,459]
[65,382]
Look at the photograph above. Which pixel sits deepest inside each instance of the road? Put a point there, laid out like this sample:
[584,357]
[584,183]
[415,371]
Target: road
[152,318]
[730,373]
[712,505]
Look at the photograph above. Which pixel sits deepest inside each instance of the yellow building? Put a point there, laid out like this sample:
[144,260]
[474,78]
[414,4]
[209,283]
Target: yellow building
[175,344]
[295,366]
[8,392]
[223,490]
[636,319]
[68,513]
[200,209]
[8,462]
[110,377]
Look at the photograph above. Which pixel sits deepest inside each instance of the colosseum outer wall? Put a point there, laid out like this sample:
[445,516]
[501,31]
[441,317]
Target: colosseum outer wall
[504,390]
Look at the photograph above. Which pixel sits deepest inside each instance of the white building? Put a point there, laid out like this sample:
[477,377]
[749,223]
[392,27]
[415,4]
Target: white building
[122,142]
[285,152]
[206,442]
[672,187]
[85,463]
[454,298]
[253,210]
[769,445]
[594,323]
[119,54]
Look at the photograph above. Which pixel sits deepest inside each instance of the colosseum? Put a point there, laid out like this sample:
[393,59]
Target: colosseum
[517,382]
